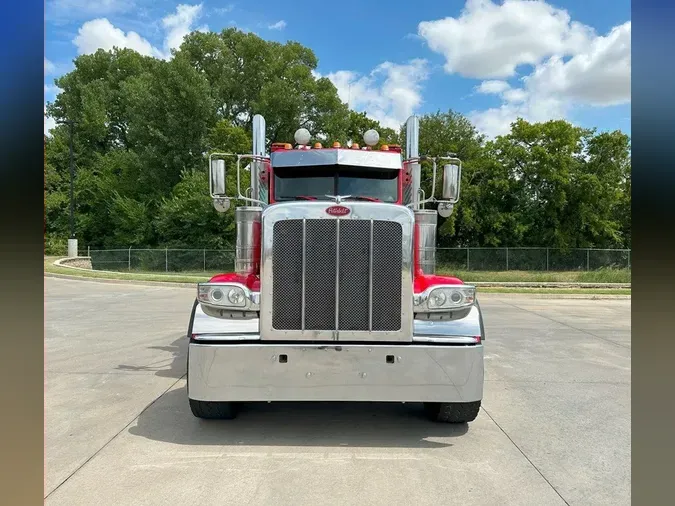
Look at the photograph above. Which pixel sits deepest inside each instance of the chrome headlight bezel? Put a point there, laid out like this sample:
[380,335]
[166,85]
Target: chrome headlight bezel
[230,296]
[445,298]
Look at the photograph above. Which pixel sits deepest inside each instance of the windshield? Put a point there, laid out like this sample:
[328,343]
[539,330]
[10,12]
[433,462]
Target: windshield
[314,183]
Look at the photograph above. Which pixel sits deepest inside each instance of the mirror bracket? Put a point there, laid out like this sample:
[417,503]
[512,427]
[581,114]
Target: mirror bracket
[215,193]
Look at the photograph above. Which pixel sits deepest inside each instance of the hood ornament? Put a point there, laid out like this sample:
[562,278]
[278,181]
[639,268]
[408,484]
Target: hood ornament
[338,198]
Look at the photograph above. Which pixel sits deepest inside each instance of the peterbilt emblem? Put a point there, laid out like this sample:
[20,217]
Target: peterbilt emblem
[338,210]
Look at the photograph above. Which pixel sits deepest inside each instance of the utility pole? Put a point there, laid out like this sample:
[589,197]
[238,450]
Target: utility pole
[72,241]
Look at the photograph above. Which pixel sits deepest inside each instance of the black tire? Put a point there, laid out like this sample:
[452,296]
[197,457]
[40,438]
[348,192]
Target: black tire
[452,412]
[213,410]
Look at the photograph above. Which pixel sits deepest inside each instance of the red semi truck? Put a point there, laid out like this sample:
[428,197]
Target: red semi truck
[334,295]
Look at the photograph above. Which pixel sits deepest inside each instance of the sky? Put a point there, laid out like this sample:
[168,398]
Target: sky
[492,61]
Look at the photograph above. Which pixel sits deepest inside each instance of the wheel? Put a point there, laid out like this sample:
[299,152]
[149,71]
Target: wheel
[452,412]
[213,410]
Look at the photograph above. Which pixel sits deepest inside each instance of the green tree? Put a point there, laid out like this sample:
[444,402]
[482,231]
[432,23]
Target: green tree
[249,75]
[567,180]
[187,219]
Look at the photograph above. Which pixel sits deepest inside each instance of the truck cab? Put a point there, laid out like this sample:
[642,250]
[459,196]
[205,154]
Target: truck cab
[334,295]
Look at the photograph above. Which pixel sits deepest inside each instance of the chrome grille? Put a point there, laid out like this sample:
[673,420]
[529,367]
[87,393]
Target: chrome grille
[352,272]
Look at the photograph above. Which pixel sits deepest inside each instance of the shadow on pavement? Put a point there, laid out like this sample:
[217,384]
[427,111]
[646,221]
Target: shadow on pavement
[177,367]
[349,424]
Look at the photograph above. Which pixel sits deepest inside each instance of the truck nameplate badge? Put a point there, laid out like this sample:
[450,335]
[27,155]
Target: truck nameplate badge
[338,210]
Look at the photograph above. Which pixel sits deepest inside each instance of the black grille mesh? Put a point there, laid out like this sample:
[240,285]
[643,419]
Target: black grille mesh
[287,279]
[387,258]
[320,275]
[354,274]
[320,266]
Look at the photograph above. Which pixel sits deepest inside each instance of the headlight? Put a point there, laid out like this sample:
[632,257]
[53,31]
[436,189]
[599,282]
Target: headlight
[446,298]
[236,296]
[222,295]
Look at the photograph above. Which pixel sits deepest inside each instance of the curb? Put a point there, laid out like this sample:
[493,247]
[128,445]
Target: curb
[73,277]
[496,295]
[478,284]
[547,284]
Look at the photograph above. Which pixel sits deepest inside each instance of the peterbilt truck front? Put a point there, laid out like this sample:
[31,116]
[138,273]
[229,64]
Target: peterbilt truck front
[334,296]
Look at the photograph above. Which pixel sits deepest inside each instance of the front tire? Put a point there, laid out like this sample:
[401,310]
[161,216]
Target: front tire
[213,410]
[452,412]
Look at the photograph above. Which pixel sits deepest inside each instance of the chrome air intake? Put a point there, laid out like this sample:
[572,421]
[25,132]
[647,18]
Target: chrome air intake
[329,278]
[425,223]
[248,239]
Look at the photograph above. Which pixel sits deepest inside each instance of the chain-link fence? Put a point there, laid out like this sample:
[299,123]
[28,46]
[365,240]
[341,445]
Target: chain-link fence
[473,259]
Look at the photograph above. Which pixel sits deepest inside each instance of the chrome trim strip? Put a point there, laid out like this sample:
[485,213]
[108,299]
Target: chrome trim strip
[304,256]
[205,324]
[336,332]
[226,337]
[370,280]
[445,340]
[327,156]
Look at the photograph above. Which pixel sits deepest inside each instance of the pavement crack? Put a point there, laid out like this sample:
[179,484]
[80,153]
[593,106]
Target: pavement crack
[569,326]
[526,457]
[114,437]
[570,382]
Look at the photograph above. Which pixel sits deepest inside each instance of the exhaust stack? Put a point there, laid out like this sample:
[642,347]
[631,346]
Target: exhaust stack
[425,240]
[412,150]
[248,218]
[247,259]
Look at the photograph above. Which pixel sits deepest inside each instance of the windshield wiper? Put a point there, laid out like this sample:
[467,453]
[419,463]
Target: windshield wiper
[364,197]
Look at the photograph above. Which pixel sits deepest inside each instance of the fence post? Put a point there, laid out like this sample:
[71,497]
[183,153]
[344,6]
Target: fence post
[89,252]
[166,260]
[588,259]
[204,259]
[129,258]
[467,259]
[507,259]
[546,259]
[629,259]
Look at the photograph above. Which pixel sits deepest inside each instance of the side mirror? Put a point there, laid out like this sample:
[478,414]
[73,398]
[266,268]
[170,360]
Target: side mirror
[217,175]
[451,180]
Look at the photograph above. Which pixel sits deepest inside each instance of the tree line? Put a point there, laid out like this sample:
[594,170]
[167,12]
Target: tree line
[144,128]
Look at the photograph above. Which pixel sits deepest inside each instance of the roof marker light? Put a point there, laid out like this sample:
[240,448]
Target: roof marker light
[355,146]
[384,147]
[371,137]
[302,136]
[336,144]
[317,145]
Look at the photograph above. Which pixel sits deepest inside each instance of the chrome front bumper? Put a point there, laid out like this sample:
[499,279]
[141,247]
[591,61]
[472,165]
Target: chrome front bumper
[354,372]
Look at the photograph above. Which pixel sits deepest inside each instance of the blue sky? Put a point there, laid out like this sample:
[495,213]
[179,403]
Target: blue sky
[491,60]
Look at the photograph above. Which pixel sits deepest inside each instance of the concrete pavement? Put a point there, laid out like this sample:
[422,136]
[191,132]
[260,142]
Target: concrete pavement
[555,428]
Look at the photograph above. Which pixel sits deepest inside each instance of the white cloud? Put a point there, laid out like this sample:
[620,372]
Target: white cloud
[224,10]
[101,34]
[514,95]
[52,90]
[570,64]
[489,40]
[180,24]
[389,94]
[49,122]
[279,25]
[600,75]
[492,87]
[49,67]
